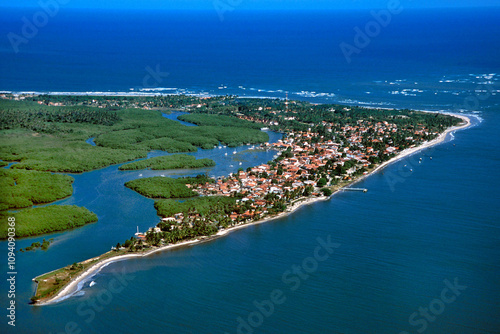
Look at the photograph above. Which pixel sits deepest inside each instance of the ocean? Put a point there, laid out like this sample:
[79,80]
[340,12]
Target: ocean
[418,253]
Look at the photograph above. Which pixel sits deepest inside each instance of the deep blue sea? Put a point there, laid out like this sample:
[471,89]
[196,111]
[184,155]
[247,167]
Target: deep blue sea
[418,253]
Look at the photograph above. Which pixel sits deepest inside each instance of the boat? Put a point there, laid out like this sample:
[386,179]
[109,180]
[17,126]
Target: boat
[225,153]
[92,283]
[234,152]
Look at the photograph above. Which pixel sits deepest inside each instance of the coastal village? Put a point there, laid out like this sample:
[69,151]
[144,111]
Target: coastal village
[307,165]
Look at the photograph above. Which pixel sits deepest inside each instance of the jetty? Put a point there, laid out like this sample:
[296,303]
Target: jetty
[355,189]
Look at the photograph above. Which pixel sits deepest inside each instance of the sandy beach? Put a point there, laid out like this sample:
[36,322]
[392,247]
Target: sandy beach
[72,287]
[92,271]
[409,151]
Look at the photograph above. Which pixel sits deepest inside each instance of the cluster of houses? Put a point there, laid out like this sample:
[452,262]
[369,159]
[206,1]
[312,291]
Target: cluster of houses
[308,155]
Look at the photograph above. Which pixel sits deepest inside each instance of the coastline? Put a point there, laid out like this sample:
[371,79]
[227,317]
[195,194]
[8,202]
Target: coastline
[72,286]
[410,151]
[70,289]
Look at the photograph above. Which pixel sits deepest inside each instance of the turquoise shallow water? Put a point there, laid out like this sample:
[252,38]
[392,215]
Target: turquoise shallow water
[398,244]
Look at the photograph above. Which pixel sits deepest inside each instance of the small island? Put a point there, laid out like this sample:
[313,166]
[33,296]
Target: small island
[178,161]
[325,149]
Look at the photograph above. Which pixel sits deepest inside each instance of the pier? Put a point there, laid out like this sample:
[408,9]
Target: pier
[355,189]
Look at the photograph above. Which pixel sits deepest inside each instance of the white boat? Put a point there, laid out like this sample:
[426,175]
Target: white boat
[162,175]
[240,163]
[92,283]
[234,152]
[225,153]
[140,175]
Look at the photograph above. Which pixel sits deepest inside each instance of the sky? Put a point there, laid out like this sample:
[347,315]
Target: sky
[251,4]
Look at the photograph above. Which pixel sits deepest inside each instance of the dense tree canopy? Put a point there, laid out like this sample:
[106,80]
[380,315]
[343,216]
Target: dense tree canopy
[47,219]
[176,161]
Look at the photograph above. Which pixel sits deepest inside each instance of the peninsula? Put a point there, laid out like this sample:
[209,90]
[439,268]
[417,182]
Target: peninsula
[326,148]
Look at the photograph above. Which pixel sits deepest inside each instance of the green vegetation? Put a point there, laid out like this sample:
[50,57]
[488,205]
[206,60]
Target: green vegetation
[62,153]
[160,187]
[203,205]
[322,182]
[232,136]
[165,187]
[177,161]
[150,130]
[170,145]
[47,120]
[218,120]
[23,188]
[208,214]
[326,191]
[50,138]
[163,102]
[43,135]
[186,231]
[48,219]
[36,245]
